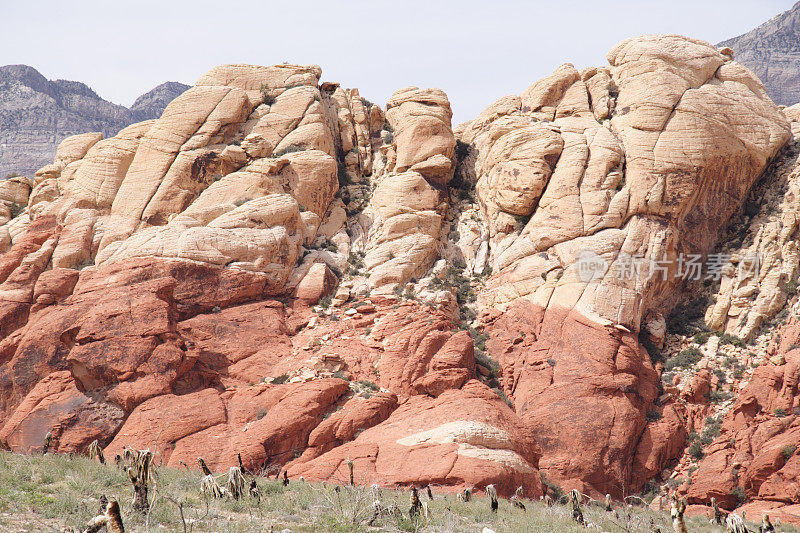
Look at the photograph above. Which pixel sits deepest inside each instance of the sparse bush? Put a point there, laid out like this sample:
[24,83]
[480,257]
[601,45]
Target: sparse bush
[553,489]
[266,97]
[261,413]
[788,451]
[740,496]
[325,301]
[687,317]
[486,361]
[696,450]
[719,396]
[283,378]
[368,385]
[342,175]
[16,209]
[781,413]
[726,338]
[292,148]
[684,359]
[653,415]
[702,337]
[500,392]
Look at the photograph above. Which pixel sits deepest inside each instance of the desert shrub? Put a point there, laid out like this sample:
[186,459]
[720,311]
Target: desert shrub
[684,359]
[261,413]
[266,97]
[726,338]
[781,413]
[791,287]
[292,148]
[788,451]
[653,415]
[710,432]
[342,175]
[283,378]
[740,496]
[719,396]
[16,209]
[687,317]
[553,489]
[652,350]
[368,385]
[696,450]
[486,361]
[702,337]
[325,301]
[500,392]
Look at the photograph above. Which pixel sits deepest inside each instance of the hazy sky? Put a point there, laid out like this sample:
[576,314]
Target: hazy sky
[475,51]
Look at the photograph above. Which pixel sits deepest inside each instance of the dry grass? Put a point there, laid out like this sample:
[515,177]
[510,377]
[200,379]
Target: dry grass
[53,492]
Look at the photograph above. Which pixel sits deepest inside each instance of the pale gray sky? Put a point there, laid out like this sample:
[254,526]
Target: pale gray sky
[475,51]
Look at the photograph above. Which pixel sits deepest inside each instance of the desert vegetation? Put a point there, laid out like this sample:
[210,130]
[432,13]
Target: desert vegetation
[58,492]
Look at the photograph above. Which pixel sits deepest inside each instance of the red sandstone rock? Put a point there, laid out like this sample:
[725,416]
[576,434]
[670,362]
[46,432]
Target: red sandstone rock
[757,449]
[578,386]
[463,437]
[56,405]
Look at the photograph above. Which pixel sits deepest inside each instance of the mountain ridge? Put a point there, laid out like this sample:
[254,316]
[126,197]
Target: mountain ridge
[36,114]
[772,52]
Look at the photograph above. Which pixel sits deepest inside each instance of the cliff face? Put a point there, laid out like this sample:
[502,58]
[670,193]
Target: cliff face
[772,52]
[162,284]
[36,114]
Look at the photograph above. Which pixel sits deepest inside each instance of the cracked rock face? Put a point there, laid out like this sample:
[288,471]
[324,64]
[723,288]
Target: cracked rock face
[169,270]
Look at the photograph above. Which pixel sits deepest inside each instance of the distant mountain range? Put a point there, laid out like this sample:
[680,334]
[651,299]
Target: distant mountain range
[36,114]
[772,52]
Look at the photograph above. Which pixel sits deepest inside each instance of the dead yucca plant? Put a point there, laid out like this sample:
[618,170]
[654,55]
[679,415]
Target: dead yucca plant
[96,452]
[236,482]
[209,488]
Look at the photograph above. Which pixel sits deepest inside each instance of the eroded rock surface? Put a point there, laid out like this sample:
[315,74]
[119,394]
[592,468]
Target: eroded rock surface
[157,287]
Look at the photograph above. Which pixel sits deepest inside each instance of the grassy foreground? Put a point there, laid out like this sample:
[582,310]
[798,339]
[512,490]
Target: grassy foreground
[51,493]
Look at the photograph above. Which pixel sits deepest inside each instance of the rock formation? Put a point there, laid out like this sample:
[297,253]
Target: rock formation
[158,287]
[38,113]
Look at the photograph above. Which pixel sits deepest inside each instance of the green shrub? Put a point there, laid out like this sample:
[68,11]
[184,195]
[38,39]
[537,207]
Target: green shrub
[726,338]
[684,359]
[486,361]
[696,450]
[368,385]
[500,392]
[553,489]
[781,413]
[283,378]
[702,337]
